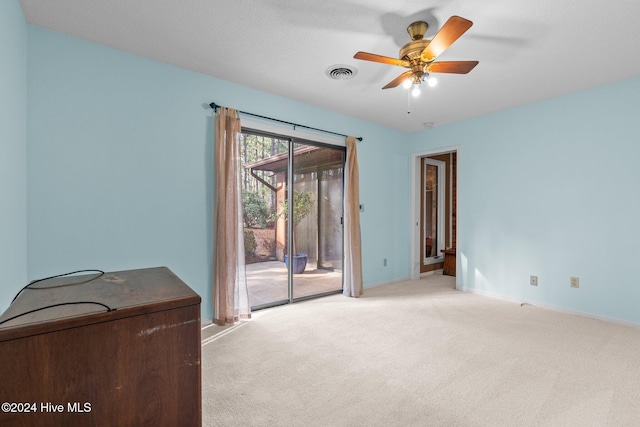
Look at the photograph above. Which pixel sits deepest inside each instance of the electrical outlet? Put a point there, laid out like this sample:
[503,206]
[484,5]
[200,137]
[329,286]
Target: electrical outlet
[575,282]
[533,281]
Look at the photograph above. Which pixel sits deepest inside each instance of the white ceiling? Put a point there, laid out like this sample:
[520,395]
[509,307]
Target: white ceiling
[528,49]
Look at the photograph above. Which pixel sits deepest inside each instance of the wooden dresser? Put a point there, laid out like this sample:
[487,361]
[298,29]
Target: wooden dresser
[82,365]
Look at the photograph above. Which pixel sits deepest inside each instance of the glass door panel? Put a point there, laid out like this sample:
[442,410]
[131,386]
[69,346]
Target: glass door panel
[433,209]
[265,162]
[317,220]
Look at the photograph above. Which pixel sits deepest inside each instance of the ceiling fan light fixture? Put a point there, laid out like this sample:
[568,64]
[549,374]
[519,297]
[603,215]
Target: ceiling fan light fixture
[407,83]
[432,81]
[415,91]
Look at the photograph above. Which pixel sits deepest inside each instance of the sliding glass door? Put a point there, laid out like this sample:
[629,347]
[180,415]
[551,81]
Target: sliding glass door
[293,239]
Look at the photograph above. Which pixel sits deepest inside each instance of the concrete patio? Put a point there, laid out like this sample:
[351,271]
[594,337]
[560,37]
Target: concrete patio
[267,282]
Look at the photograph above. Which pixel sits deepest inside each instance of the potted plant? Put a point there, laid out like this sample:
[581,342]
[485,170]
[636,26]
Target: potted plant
[302,206]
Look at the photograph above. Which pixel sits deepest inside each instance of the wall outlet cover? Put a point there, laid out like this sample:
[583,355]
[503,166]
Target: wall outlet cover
[575,282]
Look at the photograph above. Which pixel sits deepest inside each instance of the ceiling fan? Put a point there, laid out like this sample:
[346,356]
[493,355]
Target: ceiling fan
[419,54]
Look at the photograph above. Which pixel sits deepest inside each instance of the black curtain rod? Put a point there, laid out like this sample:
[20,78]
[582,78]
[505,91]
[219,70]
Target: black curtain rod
[216,106]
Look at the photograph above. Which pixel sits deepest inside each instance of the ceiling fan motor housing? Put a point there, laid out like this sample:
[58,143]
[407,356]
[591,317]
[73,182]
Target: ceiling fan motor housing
[412,50]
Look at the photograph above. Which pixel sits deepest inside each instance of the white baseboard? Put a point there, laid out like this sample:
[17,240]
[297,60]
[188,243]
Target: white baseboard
[391,282]
[404,279]
[553,307]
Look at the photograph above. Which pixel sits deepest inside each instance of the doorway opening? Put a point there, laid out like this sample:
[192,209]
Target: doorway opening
[434,212]
[293,239]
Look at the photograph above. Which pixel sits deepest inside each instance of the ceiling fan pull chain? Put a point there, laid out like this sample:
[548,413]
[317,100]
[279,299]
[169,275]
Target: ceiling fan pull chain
[408,102]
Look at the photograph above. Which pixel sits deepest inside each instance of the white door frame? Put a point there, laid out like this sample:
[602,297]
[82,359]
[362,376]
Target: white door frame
[416,177]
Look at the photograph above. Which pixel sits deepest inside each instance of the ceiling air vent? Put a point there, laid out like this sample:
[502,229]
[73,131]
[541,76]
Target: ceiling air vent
[341,72]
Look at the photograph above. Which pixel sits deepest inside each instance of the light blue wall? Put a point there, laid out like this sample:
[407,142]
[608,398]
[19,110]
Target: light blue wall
[13,151]
[551,189]
[120,174]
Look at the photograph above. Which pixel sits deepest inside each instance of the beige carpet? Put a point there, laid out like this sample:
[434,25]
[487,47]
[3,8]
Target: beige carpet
[420,353]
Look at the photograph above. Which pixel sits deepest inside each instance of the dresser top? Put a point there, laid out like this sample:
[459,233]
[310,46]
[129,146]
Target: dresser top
[92,298]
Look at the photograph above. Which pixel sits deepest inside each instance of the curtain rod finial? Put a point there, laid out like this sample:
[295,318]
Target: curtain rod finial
[214,106]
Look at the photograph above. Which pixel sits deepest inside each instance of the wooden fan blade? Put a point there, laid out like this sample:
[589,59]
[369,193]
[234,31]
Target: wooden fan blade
[449,33]
[400,79]
[454,67]
[382,59]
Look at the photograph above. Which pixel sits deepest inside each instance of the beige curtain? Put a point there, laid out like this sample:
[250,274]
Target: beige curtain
[230,295]
[352,248]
